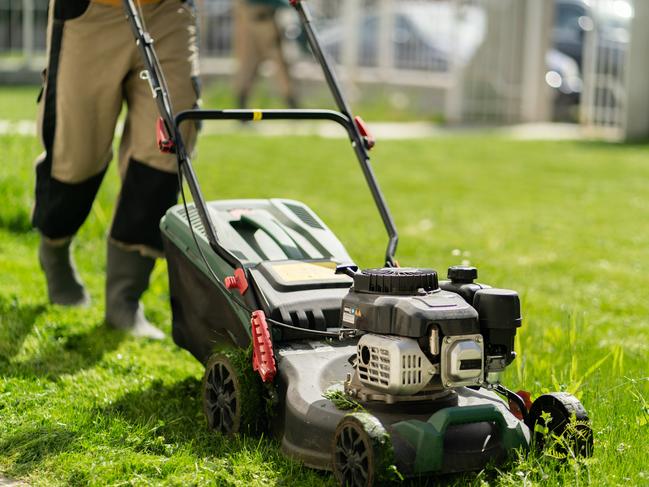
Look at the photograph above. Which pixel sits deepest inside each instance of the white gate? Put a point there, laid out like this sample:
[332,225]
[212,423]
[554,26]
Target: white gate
[604,103]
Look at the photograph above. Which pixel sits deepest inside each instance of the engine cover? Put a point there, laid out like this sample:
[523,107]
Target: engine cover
[406,302]
[392,364]
[419,338]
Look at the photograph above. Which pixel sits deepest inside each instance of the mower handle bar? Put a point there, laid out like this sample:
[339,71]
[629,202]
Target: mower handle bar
[258,115]
[301,114]
[155,77]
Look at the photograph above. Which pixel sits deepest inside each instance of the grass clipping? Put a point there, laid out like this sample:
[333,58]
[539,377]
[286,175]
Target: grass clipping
[343,401]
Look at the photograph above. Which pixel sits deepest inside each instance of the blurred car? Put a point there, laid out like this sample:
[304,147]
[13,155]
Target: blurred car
[573,20]
[426,36]
[564,77]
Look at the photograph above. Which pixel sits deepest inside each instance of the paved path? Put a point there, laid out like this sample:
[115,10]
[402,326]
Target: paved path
[381,130]
[6,482]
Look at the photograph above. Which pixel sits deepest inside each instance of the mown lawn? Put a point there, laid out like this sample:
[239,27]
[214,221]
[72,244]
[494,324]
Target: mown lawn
[564,223]
[374,103]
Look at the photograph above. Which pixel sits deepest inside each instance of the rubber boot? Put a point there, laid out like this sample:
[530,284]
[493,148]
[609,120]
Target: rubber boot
[127,277]
[291,102]
[63,284]
[242,101]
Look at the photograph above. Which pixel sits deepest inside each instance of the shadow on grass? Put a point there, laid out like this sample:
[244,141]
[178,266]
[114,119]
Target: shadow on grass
[613,146]
[170,417]
[16,322]
[173,411]
[58,353]
[173,415]
[29,448]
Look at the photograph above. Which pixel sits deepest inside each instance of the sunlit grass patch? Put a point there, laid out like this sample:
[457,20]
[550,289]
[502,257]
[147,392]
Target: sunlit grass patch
[562,223]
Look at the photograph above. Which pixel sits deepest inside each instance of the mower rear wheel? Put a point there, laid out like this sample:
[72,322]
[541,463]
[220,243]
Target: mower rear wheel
[232,394]
[362,451]
[559,421]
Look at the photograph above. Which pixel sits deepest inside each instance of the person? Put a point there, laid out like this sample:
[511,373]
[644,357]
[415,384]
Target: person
[258,38]
[93,68]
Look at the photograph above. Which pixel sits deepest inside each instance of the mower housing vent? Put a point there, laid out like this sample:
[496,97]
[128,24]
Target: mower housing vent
[304,215]
[195,220]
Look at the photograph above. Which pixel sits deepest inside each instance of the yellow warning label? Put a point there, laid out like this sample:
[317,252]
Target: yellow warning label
[308,271]
[256,116]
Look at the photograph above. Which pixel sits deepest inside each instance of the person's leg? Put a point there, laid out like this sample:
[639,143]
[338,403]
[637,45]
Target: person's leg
[78,110]
[246,51]
[269,38]
[149,178]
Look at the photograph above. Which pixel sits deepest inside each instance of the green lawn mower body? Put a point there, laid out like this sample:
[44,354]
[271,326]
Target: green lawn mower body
[291,257]
[290,254]
[376,374]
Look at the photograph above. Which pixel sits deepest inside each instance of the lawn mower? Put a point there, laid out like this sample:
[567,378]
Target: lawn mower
[375,374]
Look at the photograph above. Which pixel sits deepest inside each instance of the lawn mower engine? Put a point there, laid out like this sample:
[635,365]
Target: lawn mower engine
[422,338]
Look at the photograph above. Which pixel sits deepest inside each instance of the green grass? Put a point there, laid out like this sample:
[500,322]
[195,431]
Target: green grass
[18,102]
[374,103]
[563,223]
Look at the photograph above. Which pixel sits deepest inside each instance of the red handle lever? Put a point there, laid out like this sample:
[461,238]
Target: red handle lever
[263,358]
[364,130]
[165,144]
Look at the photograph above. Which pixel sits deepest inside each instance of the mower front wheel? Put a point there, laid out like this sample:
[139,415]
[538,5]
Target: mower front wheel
[559,421]
[362,451]
[232,394]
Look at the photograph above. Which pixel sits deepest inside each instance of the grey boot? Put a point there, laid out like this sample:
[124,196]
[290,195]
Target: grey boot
[63,284]
[127,277]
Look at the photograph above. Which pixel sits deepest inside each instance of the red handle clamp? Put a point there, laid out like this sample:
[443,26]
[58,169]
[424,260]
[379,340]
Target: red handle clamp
[238,281]
[165,144]
[363,129]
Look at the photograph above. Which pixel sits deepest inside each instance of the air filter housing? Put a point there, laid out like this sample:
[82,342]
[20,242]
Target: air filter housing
[500,316]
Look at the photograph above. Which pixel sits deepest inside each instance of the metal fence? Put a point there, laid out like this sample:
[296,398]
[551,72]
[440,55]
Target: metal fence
[606,28]
[489,60]
[435,45]
[22,34]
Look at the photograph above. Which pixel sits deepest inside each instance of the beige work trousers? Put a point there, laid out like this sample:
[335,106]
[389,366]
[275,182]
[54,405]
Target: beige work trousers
[94,68]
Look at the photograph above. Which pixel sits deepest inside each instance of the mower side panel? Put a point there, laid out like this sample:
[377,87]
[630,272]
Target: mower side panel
[306,420]
[435,453]
[203,316]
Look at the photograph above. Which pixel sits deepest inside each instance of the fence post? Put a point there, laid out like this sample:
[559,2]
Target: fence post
[588,100]
[386,32]
[351,18]
[636,114]
[536,103]
[455,90]
[28,33]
